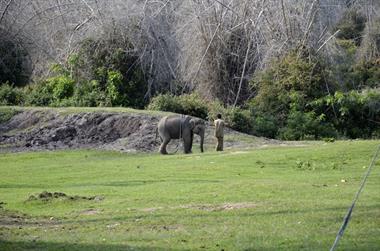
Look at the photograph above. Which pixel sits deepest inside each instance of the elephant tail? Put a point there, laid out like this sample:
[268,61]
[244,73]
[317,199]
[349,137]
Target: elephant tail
[156,133]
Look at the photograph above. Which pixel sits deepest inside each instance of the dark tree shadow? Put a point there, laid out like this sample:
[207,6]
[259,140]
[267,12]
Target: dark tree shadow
[55,246]
[15,64]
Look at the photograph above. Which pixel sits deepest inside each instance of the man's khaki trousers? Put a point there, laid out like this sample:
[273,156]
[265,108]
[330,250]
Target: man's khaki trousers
[219,146]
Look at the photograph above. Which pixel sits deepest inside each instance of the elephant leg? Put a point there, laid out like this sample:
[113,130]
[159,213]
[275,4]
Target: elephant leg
[165,142]
[191,141]
[187,145]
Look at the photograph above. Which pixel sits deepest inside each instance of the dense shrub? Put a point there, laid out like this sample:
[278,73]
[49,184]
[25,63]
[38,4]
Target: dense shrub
[51,92]
[354,114]
[113,88]
[238,119]
[10,95]
[88,93]
[194,105]
[265,125]
[214,108]
[306,126]
[114,64]
[39,94]
[366,74]
[297,73]
[351,26]
[6,114]
[189,104]
[164,102]
[300,121]
[101,73]
[62,86]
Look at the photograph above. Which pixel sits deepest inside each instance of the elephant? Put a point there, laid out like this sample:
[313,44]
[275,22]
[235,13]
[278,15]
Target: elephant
[180,126]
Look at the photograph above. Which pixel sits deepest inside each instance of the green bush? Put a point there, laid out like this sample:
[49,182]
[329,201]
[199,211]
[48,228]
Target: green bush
[66,102]
[354,114]
[306,126]
[295,73]
[194,105]
[189,104]
[265,125]
[113,89]
[88,94]
[62,86]
[239,119]
[10,95]
[165,102]
[6,114]
[39,94]
[366,74]
[303,123]
[115,66]
[50,92]
[214,108]
[101,73]
[351,26]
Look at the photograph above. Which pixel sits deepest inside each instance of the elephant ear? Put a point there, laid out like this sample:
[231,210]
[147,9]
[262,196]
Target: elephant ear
[193,123]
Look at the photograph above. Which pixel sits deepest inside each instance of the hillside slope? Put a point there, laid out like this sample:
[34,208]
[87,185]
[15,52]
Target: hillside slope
[126,130]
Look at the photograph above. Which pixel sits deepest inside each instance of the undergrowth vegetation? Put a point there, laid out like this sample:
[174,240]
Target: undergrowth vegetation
[6,114]
[291,103]
[300,95]
[95,75]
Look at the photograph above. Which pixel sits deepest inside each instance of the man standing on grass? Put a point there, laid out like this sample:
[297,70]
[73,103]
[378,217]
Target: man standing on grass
[219,132]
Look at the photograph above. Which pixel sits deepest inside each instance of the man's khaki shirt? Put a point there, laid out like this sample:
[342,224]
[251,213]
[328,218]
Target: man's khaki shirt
[219,128]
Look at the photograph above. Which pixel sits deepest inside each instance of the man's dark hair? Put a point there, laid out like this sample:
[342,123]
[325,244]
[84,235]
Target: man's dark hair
[219,116]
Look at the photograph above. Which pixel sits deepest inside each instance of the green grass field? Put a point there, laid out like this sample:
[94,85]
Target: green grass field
[283,198]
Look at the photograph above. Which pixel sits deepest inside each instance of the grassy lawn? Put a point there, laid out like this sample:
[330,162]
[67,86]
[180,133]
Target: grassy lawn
[284,198]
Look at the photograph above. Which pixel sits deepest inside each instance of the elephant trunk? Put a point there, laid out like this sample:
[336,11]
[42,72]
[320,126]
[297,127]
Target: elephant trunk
[202,135]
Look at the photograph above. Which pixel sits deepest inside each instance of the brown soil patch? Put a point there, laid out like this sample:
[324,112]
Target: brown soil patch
[222,207]
[90,212]
[18,220]
[152,209]
[49,196]
[207,207]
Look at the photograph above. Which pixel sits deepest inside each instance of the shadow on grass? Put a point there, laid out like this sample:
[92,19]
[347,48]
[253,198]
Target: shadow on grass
[20,186]
[199,213]
[146,182]
[56,246]
[130,183]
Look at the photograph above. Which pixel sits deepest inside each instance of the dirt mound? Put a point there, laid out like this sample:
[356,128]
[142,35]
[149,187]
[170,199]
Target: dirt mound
[51,129]
[48,196]
[47,129]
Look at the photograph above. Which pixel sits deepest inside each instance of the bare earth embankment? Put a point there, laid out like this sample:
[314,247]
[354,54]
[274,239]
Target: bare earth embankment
[125,130]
